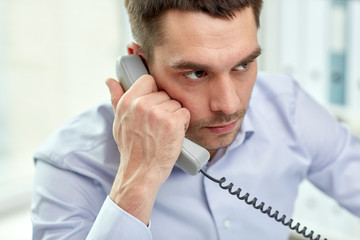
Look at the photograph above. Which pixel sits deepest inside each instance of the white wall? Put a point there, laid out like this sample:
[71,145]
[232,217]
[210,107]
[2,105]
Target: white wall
[55,56]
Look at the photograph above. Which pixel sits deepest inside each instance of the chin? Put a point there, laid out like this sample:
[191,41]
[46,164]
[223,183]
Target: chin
[220,142]
[214,142]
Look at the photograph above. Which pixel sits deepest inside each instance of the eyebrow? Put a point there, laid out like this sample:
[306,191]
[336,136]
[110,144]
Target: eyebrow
[197,66]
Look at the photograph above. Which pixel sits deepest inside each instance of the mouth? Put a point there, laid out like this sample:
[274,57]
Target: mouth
[223,128]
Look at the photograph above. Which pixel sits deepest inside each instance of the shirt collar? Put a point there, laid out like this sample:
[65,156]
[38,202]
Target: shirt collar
[246,131]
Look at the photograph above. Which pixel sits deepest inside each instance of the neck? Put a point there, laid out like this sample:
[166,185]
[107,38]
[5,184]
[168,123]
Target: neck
[212,153]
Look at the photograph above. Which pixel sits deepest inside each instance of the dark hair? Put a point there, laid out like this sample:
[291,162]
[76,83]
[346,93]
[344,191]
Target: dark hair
[145,15]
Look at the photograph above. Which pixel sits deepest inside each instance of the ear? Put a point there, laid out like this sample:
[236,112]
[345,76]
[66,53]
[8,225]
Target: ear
[133,48]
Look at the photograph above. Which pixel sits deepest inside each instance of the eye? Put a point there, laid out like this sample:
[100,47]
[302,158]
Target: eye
[195,75]
[242,67]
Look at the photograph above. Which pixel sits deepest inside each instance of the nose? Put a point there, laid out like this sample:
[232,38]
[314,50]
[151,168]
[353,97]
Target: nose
[224,96]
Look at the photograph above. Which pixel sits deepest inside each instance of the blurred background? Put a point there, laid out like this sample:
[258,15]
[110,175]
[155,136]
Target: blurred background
[55,56]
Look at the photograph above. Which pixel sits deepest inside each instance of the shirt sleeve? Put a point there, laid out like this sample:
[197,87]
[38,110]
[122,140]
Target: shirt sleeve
[334,151]
[110,224]
[68,205]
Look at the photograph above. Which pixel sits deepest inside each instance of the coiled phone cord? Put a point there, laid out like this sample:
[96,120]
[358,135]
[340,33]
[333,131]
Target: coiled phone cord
[267,211]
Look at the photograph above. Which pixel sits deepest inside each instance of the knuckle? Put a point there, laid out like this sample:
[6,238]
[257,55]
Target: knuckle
[186,113]
[171,123]
[156,114]
[162,118]
[140,105]
[164,94]
[184,118]
[148,82]
[124,103]
[176,103]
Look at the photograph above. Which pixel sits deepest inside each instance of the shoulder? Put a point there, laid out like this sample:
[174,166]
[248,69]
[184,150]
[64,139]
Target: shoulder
[272,85]
[275,93]
[274,102]
[84,138]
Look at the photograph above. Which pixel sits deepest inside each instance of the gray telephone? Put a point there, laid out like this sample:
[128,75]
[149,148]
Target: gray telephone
[192,157]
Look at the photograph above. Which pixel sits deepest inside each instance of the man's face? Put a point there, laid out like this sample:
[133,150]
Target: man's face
[209,65]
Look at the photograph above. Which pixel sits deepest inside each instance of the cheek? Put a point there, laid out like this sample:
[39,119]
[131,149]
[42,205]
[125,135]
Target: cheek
[245,88]
[194,102]
[192,98]
[244,91]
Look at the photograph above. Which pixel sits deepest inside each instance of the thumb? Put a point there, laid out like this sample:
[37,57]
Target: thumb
[116,91]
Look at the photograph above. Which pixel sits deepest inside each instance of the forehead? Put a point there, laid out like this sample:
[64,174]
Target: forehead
[199,36]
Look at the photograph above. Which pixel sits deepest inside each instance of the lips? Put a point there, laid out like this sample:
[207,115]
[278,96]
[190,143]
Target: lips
[223,128]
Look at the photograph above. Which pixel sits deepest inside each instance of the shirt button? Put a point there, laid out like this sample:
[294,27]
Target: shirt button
[227,223]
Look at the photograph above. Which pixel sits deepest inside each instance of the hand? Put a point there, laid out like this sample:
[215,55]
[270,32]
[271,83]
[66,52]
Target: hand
[149,128]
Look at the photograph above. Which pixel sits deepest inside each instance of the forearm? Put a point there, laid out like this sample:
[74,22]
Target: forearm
[136,193]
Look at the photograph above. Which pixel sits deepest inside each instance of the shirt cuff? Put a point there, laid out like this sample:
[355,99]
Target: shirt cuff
[113,222]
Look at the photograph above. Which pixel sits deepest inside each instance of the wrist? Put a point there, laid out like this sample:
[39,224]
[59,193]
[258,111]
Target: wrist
[135,194]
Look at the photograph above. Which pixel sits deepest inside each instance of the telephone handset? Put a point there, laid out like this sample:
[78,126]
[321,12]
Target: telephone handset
[192,157]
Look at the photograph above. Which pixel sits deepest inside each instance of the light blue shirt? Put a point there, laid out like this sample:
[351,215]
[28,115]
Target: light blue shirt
[285,138]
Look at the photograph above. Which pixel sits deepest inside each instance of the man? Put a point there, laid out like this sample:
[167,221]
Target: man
[202,60]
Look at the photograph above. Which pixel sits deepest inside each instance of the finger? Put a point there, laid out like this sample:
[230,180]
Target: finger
[184,114]
[170,106]
[116,91]
[152,100]
[142,86]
